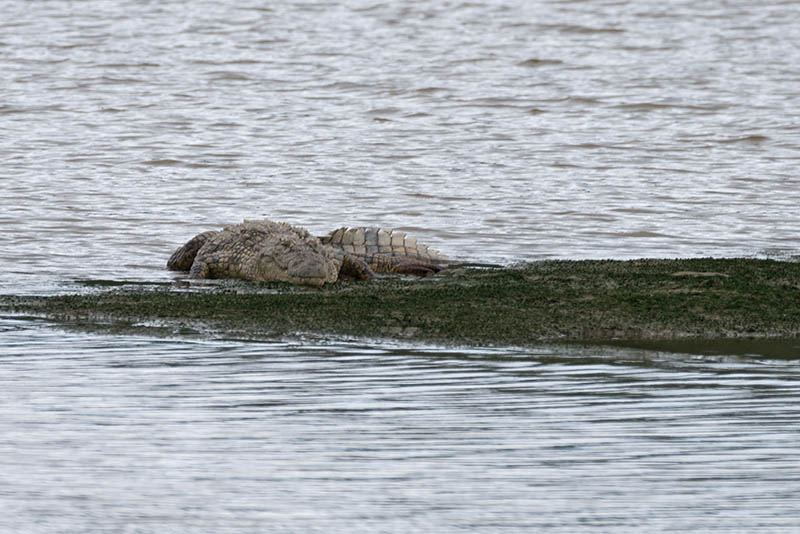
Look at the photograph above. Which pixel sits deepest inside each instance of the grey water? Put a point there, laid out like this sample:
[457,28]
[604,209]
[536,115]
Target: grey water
[495,131]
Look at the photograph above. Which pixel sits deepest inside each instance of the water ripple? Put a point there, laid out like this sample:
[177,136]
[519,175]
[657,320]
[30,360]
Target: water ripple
[336,435]
[494,131]
[181,108]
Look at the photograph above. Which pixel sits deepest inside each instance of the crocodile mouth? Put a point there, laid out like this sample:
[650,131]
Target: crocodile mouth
[312,272]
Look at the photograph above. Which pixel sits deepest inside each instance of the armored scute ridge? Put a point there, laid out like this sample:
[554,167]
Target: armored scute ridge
[266,251]
[388,251]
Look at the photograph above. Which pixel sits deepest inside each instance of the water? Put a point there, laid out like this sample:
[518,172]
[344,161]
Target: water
[497,131]
[126,434]
[494,131]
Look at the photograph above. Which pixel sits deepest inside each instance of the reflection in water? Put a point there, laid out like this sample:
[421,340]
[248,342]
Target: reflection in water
[103,432]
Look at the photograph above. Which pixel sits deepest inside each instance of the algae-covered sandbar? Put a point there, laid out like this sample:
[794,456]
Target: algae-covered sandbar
[532,303]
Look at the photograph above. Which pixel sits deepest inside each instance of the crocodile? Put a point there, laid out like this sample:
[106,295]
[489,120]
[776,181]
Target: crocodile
[274,251]
[366,251]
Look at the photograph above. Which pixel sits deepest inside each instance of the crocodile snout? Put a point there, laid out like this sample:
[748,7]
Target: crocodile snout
[313,271]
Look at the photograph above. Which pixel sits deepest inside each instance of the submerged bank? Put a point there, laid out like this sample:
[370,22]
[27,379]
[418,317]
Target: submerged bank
[547,301]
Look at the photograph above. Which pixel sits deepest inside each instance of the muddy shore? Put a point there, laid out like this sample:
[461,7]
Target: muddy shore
[635,302]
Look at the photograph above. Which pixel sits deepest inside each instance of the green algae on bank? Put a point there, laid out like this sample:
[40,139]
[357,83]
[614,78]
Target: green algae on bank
[532,303]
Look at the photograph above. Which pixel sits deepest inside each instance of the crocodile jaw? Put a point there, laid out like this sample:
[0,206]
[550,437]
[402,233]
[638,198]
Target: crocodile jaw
[313,270]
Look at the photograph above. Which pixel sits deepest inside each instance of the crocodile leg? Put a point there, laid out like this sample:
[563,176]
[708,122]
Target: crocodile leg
[200,269]
[356,267]
[182,259]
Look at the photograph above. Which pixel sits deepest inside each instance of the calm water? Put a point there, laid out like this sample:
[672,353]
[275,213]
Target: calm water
[125,434]
[494,131]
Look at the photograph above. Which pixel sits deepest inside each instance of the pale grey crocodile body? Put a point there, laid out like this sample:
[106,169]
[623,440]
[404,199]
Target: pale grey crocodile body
[269,251]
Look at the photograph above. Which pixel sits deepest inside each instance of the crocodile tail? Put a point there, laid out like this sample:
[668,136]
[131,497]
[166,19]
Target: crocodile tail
[372,243]
[415,267]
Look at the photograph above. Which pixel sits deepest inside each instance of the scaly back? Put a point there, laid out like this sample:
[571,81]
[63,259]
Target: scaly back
[373,244]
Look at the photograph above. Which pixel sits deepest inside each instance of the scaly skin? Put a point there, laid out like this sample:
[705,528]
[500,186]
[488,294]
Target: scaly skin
[268,251]
[258,250]
[183,257]
[383,251]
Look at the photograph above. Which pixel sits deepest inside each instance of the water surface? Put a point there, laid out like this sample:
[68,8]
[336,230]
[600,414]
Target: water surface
[130,434]
[496,131]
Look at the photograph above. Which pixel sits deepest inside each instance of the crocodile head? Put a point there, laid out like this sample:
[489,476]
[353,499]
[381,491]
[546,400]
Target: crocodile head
[312,268]
[289,254]
[263,250]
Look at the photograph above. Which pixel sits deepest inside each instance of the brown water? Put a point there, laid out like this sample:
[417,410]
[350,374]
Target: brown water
[494,131]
